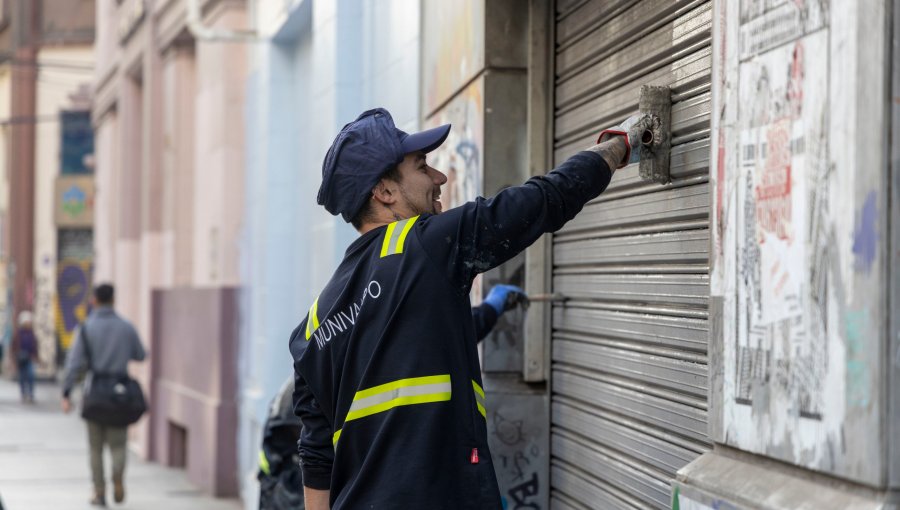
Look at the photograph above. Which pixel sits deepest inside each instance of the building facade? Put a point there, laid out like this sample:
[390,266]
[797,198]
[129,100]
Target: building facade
[168,114]
[47,202]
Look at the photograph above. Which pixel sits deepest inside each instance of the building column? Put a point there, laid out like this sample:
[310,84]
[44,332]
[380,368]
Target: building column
[21,204]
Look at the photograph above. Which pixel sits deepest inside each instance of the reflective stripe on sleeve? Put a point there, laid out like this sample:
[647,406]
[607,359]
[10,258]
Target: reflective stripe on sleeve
[479,398]
[264,463]
[403,392]
[312,319]
[395,236]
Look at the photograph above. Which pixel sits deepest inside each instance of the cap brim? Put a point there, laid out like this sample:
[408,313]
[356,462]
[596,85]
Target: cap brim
[425,141]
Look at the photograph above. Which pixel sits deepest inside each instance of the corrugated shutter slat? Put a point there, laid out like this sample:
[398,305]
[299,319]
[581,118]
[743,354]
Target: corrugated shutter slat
[629,367]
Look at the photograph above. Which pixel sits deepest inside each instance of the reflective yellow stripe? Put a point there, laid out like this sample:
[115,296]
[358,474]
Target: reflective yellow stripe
[387,239]
[406,230]
[399,401]
[315,314]
[264,463]
[477,389]
[395,236]
[336,436]
[403,392]
[479,398]
[402,383]
[313,318]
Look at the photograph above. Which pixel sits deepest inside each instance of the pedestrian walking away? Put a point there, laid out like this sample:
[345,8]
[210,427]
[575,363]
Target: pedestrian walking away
[280,478]
[25,352]
[387,376]
[105,344]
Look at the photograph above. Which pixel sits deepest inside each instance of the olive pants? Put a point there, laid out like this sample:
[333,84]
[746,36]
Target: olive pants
[115,437]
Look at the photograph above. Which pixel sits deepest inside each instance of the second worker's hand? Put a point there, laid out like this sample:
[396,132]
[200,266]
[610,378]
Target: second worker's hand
[504,297]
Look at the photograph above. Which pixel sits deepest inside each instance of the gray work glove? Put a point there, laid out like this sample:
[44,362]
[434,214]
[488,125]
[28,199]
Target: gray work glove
[631,130]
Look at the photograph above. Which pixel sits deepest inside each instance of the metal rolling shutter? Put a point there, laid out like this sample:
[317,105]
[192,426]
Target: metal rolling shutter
[629,346]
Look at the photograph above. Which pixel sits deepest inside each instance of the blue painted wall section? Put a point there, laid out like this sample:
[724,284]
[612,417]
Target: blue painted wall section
[865,236]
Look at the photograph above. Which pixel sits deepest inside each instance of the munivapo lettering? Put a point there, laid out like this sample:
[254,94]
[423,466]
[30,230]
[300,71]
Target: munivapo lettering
[345,319]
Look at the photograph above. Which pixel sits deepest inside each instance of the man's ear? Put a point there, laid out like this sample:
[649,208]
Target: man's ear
[384,193]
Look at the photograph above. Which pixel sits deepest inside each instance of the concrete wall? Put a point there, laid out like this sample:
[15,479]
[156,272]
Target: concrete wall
[194,404]
[322,64]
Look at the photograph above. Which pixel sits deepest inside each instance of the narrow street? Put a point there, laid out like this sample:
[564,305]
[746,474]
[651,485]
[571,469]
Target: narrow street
[44,463]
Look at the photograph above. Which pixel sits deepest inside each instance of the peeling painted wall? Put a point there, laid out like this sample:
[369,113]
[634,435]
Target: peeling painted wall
[799,232]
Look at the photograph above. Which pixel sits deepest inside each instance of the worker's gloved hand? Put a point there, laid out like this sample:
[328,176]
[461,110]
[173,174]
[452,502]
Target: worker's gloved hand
[506,297]
[632,129]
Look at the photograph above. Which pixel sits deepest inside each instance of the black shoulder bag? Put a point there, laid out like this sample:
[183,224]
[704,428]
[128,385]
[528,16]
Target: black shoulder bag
[113,400]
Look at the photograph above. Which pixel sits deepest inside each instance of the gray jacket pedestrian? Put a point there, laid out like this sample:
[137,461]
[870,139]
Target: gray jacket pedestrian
[112,342]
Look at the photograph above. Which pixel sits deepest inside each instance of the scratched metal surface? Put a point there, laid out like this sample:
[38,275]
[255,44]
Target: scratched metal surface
[893,415]
[629,348]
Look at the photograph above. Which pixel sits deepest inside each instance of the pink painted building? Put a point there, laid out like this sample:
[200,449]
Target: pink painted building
[168,118]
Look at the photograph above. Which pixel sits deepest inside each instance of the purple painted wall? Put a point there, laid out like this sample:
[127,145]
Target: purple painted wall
[194,382]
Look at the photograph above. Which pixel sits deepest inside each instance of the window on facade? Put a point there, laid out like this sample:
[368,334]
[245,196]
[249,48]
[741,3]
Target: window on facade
[77,142]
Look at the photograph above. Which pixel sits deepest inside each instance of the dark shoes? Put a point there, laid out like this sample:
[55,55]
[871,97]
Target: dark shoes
[118,491]
[99,498]
[118,494]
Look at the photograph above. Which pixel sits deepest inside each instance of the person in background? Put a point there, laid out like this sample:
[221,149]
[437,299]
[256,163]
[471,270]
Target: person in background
[25,350]
[113,342]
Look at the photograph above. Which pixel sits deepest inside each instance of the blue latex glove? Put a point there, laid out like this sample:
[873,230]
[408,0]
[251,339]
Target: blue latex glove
[499,297]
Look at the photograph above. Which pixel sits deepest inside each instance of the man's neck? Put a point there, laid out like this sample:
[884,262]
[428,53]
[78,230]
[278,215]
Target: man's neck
[386,218]
[366,227]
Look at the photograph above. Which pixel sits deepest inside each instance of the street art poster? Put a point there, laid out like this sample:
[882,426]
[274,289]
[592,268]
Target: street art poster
[785,253]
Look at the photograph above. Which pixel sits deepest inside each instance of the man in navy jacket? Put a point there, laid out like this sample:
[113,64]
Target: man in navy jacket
[387,378]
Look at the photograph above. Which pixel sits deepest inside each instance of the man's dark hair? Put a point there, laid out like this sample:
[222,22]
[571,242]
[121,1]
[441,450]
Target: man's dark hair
[365,213]
[104,294]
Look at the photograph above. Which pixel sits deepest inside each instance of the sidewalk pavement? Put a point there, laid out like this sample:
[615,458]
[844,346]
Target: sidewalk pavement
[44,463]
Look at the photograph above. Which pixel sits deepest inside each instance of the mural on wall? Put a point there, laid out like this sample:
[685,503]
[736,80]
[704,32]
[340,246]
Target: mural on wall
[452,55]
[73,291]
[791,340]
[460,156]
[73,283]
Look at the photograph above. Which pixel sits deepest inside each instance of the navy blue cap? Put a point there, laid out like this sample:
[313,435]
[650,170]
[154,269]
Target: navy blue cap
[362,152]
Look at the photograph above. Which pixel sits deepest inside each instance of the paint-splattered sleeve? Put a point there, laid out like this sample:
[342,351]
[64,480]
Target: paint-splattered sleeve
[484,233]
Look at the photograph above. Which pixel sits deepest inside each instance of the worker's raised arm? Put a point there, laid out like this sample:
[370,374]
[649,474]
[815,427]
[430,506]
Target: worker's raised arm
[484,233]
